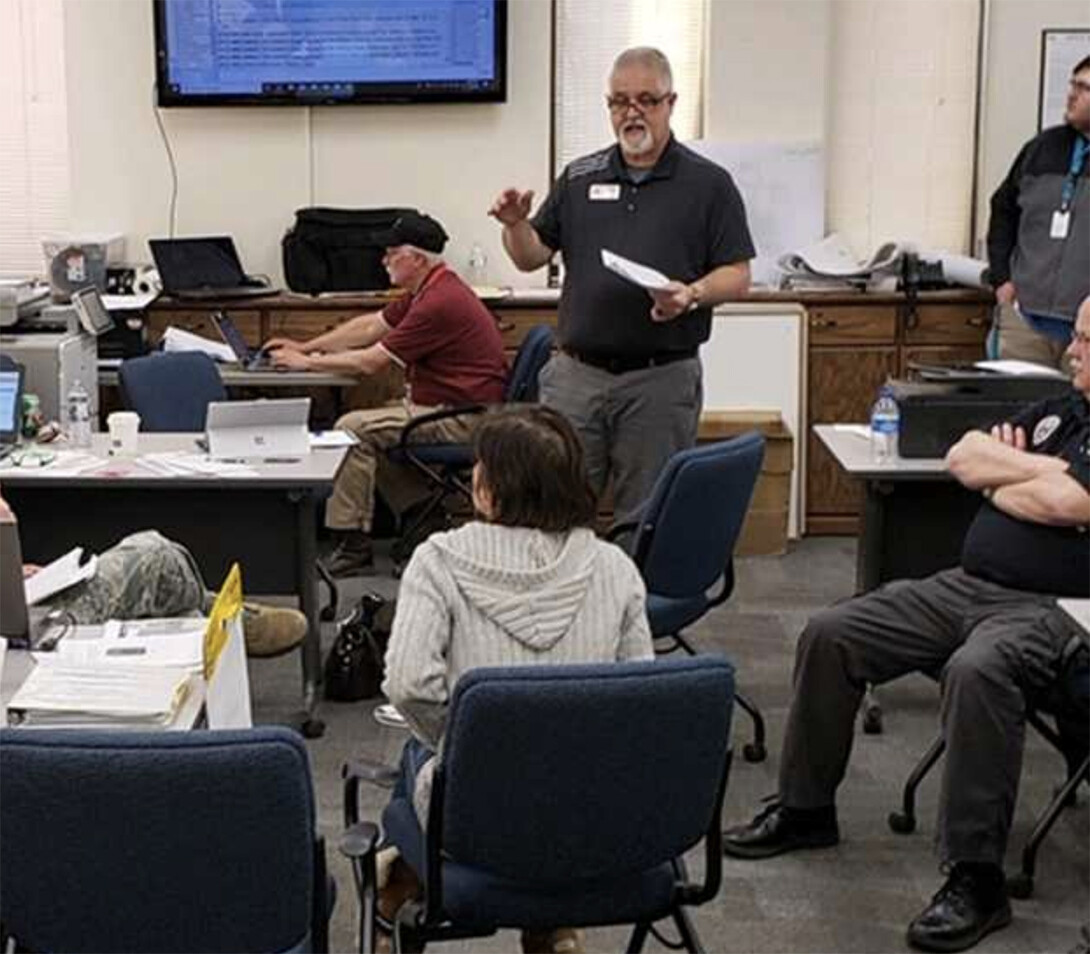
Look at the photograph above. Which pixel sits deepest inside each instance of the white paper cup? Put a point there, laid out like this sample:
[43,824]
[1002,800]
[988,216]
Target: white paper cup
[123,427]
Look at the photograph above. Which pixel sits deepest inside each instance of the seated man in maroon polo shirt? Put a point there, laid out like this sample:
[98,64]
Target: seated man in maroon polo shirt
[451,351]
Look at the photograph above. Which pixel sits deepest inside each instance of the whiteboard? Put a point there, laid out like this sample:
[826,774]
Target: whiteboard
[783,187]
[1060,51]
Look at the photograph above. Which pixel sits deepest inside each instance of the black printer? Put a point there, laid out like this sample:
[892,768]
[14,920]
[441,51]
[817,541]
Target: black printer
[942,403]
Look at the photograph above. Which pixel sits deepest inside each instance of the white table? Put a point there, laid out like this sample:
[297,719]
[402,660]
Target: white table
[266,521]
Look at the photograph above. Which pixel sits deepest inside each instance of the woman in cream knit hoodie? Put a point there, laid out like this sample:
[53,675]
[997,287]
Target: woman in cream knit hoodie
[528,583]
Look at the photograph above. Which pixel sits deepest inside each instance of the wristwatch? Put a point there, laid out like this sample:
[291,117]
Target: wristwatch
[694,301]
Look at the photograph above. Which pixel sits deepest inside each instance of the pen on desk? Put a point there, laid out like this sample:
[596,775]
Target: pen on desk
[126,651]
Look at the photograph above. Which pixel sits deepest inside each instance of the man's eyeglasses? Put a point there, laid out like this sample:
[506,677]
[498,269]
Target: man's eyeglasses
[1080,338]
[644,102]
[1079,86]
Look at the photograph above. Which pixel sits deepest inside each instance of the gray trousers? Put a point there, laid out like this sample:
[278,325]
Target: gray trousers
[991,646]
[630,423]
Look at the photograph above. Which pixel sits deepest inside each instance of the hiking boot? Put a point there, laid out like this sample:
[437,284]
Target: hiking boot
[778,829]
[972,903]
[272,630]
[354,555]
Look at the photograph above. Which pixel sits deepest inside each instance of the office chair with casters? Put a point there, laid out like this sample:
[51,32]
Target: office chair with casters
[566,796]
[1069,706]
[160,841]
[447,467]
[683,543]
[171,391]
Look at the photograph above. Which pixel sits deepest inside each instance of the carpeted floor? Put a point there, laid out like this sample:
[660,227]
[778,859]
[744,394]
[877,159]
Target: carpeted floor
[858,896]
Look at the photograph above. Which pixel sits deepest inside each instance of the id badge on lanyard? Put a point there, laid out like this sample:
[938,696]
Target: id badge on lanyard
[1061,218]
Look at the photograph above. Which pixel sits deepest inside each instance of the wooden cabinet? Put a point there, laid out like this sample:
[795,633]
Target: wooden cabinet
[855,342]
[854,346]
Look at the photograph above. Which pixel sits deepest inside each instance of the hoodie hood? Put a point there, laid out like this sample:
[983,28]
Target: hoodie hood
[529,583]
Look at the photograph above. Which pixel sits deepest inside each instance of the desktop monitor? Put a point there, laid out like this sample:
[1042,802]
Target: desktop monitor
[329,52]
[11,400]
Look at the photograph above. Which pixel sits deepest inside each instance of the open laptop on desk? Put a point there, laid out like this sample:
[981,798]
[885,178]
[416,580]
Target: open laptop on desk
[252,359]
[204,268]
[273,430]
[11,403]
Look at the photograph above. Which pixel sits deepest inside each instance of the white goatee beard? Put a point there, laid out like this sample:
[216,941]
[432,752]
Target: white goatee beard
[643,146]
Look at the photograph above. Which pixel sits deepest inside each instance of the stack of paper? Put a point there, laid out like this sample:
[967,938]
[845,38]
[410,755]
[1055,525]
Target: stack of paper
[114,696]
[178,339]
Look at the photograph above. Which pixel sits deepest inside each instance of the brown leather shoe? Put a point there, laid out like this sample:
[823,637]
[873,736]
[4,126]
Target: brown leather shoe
[272,630]
[556,941]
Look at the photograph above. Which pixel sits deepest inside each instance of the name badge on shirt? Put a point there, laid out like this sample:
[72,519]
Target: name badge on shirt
[1060,223]
[604,192]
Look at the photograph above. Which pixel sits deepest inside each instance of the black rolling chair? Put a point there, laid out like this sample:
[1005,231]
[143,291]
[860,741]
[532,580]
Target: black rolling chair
[447,467]
[565,797]
[1069,706]
[160,841]
[683,543]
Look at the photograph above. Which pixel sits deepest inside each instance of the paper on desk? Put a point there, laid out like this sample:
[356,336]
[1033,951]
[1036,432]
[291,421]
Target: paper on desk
[859,430]
[173,641]
[332,439]
[62,573]
[183,464]
[177,339]
[135,302]
[634,272]
[1021,368]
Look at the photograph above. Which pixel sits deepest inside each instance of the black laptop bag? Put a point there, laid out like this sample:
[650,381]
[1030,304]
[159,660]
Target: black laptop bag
[335,250]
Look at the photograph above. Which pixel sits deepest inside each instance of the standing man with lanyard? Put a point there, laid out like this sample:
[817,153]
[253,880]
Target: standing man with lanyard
[1039,235]
[627,375]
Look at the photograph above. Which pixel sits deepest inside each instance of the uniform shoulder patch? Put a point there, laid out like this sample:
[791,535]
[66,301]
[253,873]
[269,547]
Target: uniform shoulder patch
[1045,428]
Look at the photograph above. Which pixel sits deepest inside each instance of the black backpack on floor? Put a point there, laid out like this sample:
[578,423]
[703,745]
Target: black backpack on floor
[355,666]
[335,249]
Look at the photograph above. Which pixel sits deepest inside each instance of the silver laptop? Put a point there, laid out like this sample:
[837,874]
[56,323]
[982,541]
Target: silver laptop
[267,429]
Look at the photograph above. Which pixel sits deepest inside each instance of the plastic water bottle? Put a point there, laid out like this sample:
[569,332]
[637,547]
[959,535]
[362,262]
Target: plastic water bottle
[477,273]
[79,417]
[885,424]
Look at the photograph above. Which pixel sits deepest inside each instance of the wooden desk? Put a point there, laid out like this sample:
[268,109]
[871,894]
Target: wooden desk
[267,523]
[854,341]
[914,513]
[235,376]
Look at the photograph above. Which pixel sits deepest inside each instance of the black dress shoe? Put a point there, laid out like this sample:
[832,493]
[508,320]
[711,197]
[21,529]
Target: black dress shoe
[778,829]
[354,556]
[972,903]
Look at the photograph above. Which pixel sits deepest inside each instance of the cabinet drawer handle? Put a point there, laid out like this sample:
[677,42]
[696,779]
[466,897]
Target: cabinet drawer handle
[823,322]
[977,322]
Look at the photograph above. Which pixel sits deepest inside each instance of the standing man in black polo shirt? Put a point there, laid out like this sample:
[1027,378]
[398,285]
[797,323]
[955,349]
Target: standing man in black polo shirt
[991,627]
[628,375]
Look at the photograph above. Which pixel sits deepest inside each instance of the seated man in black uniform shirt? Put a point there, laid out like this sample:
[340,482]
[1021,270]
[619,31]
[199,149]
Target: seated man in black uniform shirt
[990,626]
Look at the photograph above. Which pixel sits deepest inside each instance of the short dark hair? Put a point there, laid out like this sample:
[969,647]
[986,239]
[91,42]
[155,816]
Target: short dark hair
[533,467]
[1083,64]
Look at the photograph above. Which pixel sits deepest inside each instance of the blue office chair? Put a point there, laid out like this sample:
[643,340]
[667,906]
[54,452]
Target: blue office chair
[1068,704]
[160,841]
[171,391]
[447,467]
[683,543]
[565,797]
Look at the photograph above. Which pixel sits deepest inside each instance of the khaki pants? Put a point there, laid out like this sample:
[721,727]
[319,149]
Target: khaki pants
[367,468]
[1017,340]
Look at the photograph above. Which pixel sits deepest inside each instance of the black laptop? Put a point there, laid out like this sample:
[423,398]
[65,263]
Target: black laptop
[204,268]
[252,359]
[11,403]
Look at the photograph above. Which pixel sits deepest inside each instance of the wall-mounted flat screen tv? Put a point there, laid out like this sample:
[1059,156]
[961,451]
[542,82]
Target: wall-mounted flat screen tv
[329,52]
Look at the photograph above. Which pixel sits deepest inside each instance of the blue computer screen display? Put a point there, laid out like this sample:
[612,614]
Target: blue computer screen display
[306,52]
[9,401]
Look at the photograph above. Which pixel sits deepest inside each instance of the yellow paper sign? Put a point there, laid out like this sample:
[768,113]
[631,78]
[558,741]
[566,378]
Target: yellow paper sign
[227,607]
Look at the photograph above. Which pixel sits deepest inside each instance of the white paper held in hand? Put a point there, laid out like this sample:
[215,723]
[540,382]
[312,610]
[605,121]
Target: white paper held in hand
[634,272]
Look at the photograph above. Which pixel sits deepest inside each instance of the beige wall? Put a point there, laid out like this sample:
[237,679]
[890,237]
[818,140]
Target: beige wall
[879,83]
[245,171]
[1009,93]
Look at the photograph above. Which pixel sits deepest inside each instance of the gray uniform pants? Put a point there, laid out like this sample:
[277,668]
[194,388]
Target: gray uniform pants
[991,647]
[630,423]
